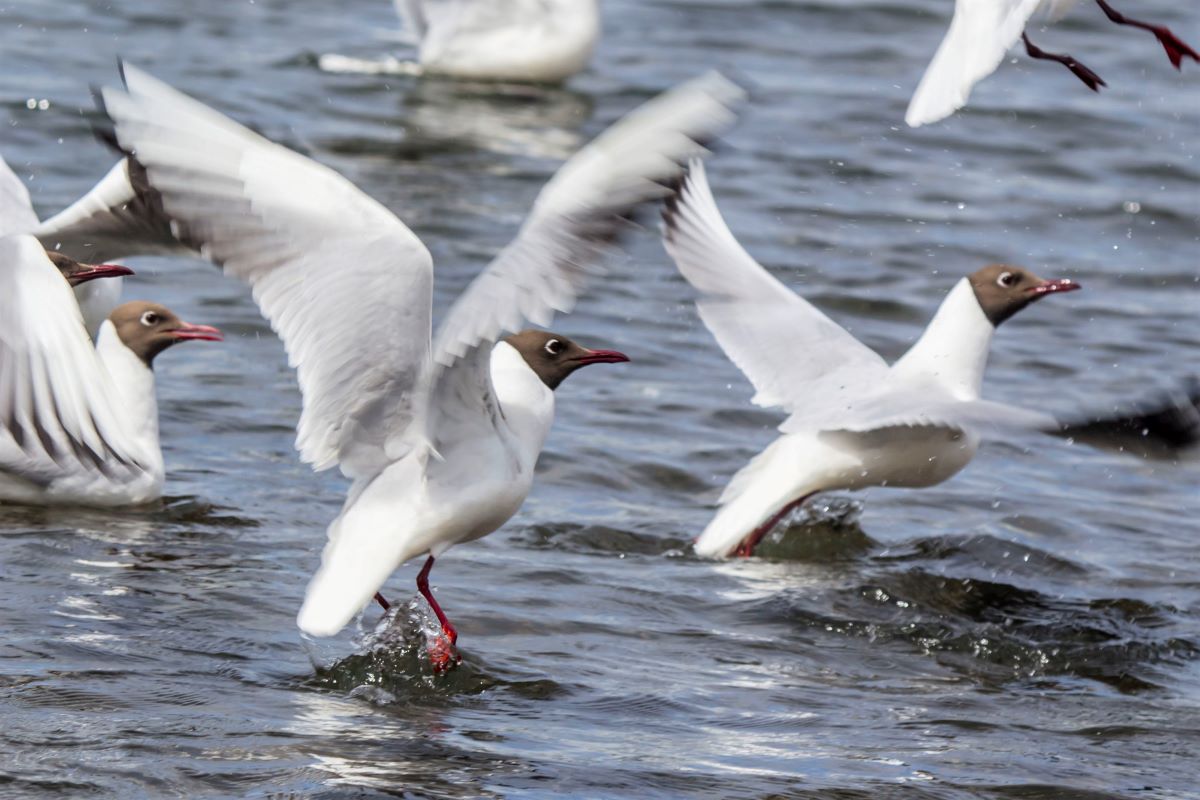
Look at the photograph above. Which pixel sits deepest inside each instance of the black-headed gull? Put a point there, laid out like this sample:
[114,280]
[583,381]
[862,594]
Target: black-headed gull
[78,423]
[119,216]
[439,435]
[983,31]
[542,41]
[855,422]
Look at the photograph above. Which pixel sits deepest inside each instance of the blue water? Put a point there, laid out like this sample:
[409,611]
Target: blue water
[1030,629]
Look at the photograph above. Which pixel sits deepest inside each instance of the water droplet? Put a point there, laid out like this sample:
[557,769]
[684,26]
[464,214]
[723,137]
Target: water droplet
[1132,206]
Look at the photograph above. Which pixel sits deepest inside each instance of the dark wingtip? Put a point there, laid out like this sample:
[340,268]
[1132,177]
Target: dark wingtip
[1169,422]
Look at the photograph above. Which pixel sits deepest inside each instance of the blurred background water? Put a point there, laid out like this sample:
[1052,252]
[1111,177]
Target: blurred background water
[1030,629]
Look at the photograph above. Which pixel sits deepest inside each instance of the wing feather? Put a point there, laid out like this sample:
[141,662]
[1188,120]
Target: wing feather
[346,284]
[796,357]
[575,215]
[16,209]
[58,412]
[582,207]
[980,34]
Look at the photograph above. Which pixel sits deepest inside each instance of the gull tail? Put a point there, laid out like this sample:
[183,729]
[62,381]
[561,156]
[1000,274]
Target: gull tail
[771,481]
[370,538]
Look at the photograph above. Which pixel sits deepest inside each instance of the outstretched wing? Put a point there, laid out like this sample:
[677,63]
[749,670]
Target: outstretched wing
[797,358]
[16,209]
[120,216]
[58,416]
[345,284]
[581,209]
[981,32]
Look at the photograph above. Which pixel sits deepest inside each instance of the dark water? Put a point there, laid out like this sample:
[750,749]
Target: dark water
[1030,629]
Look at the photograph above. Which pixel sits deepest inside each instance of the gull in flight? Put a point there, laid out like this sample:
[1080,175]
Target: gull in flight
[983,31]
[439,433]
[854,420]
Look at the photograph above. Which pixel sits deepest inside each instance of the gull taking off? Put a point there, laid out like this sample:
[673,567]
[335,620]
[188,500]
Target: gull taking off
[439,434]
[78,423]
[983,31]
[540,41]
[854,421]
[119,216]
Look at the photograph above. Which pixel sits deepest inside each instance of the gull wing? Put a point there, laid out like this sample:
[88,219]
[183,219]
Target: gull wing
[580,210]
[16,209]
[981,32]
[345,284]
[58,415]
[797,358]
[120,216]
[927,406]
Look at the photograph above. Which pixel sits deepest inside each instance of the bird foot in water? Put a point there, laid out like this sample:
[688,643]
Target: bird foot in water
[442,651]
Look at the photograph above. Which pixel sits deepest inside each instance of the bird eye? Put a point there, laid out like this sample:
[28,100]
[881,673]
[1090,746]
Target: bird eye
[554,347]
[150,318]
[1007,279]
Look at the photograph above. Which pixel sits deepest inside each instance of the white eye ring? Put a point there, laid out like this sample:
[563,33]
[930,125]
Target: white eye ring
[150,318]
[553,347]
[1006,279]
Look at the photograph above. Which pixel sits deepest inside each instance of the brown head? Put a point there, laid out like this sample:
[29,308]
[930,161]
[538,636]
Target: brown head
[148,328]
[554,357]
[1003,290]
[77,272]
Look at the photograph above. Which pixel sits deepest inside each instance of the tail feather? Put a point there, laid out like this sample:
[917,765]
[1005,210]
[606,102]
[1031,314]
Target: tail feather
[370,538]
[757,492]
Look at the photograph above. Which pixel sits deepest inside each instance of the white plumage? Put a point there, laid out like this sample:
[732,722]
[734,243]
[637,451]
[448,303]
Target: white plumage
[440,435]
[853,420]
[78,424]
[982,32]
[112,220]
[508,40]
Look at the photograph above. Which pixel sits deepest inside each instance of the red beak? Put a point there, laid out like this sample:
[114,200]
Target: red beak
[603,357]
[205,333]
[1055,285]
[95,271]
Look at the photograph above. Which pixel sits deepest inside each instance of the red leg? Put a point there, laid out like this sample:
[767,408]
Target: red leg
[1091,79]
[384,604]
[746,548]
[1175,47]
[439,654]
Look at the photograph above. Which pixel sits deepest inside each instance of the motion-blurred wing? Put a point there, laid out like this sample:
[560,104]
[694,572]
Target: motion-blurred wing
[345,284]
[796,357]
[581,209]
[543,269]
[927,407]
[57,411]
[981,32]
[412,19]
[120,216]
[16,209]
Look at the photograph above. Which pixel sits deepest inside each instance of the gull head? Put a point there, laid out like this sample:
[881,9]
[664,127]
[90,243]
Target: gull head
[148,328]
[553,356]
[1003,290]
[77,272]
